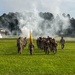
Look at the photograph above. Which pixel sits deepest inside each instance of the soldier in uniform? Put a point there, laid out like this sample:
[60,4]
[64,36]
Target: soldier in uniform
[31,47]
[24,42]
[46,47]
[62,42]
[54,45]
[20,44]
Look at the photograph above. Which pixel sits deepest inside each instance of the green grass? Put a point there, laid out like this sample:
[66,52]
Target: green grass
[12,63]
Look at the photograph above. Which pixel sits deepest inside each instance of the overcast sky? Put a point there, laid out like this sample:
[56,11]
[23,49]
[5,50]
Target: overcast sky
[54,6]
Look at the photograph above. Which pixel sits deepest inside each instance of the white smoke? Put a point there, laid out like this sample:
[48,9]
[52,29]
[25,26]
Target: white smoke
[28,22]
[0,35]
[40,27]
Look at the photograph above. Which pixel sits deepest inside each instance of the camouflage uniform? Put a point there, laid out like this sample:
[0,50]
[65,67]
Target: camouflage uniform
[62,42]
[19,45]
[53,46]
[31,47]
[46,47]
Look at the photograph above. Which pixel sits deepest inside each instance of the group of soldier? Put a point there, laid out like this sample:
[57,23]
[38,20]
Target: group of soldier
[46,44]
[22,42]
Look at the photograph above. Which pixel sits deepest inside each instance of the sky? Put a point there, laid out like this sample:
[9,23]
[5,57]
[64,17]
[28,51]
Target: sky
[53,6]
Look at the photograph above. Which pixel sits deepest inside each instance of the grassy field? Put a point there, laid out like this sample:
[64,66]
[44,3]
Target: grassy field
[12,63]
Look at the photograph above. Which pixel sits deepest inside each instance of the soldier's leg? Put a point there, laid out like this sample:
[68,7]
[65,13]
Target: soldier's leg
[48,51]
[45,51]
[62,46]
[21,50]
[30,52]
[18,49]
[23,47]
[55,50]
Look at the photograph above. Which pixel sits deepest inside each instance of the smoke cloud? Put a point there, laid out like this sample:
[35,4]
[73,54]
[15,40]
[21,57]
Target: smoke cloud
[41,27]
[29,19]
[32,21]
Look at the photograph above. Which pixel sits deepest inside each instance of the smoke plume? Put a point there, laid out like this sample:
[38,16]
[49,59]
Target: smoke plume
[29,19]
[40,27]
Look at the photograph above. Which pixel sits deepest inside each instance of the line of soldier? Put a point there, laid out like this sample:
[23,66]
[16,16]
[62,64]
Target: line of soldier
[47,44]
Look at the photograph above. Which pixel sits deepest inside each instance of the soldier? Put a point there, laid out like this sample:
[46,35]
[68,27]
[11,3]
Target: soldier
[19,45]
[24,42]
[46,47]
[31,47]
[62,42]
[54,45]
